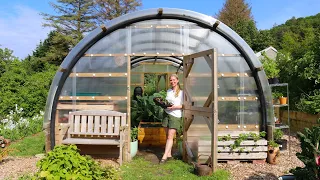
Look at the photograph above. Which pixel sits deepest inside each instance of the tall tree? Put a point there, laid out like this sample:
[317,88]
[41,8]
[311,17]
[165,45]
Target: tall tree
[109,9]
[75,17]
[263,40]
[237,15]
[235,11]
[72,20]
[6,57]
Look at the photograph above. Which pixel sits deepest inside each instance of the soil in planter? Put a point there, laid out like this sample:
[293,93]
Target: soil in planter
[150,125]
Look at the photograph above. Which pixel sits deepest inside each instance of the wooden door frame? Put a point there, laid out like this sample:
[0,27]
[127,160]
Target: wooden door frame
[206,111]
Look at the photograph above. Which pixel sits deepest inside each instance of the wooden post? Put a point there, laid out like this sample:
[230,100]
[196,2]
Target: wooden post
[214,138]
[270,129]
[128,152]
[48,137]
[184,152]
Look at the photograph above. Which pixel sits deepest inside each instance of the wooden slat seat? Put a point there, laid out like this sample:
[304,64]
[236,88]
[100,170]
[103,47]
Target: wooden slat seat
[97,127]
[92,141]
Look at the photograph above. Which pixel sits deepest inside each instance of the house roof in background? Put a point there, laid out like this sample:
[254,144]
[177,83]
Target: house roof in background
[270,48]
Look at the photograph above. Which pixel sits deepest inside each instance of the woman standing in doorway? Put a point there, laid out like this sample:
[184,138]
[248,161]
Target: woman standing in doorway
[173,115]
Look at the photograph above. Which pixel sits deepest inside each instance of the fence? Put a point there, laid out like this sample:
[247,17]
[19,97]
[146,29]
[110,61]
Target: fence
[299,120]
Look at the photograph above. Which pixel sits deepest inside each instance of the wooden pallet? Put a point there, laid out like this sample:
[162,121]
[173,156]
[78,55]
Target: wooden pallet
[253,161]
[249,150]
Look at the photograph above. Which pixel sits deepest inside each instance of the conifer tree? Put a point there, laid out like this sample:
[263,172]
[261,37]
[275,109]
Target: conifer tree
[109,9]
[237,15]
[235,11]
[74,18]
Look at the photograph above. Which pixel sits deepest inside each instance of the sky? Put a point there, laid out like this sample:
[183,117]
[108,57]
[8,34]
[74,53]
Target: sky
[21,27]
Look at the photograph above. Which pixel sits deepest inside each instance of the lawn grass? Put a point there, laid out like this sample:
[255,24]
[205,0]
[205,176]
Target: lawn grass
[139,168]
[28,146]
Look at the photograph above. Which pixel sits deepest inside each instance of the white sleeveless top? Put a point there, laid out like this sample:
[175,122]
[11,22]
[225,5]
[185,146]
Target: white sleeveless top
[175,101]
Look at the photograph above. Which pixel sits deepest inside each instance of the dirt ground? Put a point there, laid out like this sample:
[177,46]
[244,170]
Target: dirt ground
[13,167]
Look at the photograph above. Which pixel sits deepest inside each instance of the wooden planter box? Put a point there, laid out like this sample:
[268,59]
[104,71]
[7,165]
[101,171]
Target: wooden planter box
[151,134]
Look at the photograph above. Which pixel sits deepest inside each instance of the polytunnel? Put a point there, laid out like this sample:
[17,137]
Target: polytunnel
[225,88]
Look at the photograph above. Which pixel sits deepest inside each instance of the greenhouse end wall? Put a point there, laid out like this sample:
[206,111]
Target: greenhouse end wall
[94,74]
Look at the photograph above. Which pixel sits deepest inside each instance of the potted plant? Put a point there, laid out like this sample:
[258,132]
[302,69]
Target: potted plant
[144,109]
[271,69]
[275,97]
[134,141]
[147,116]
[283,100]
[273,152]
[277,135]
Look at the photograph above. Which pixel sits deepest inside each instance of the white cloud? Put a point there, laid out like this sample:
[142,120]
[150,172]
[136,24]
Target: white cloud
[21,30]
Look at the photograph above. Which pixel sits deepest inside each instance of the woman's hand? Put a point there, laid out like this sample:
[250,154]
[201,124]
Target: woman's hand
[174,107]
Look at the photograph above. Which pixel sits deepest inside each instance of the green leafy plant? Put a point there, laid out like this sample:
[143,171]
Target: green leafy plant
[270,66]
[134,134]
[225,138]
[276,95]
[277,134]
[242,137]
[144,109]
[309,155]
[254,136]
[65,162]
[273,144]
[310,103]
[262,134]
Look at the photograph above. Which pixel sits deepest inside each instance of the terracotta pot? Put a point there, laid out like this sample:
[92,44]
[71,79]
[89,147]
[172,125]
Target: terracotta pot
[273,153]
[283,100]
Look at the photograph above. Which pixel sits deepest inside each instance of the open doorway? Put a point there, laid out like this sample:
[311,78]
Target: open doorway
[152,77]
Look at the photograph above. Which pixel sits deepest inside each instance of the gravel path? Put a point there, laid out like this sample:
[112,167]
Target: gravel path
[13,167]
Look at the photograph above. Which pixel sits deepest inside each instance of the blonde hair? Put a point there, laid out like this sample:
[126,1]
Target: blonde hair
[178,85]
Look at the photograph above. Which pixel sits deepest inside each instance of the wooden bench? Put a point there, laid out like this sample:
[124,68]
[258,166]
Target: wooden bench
[97,127]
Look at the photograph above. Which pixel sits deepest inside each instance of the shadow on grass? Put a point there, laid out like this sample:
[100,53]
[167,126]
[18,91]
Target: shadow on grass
[146,166]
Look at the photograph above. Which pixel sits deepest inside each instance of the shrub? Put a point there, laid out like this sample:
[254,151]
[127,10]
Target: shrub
[15,127]
[310,141]
[65,162]
[310,103]
[270,66]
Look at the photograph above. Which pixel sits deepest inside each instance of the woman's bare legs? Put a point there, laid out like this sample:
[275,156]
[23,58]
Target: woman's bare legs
[169,143]
[166,130]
